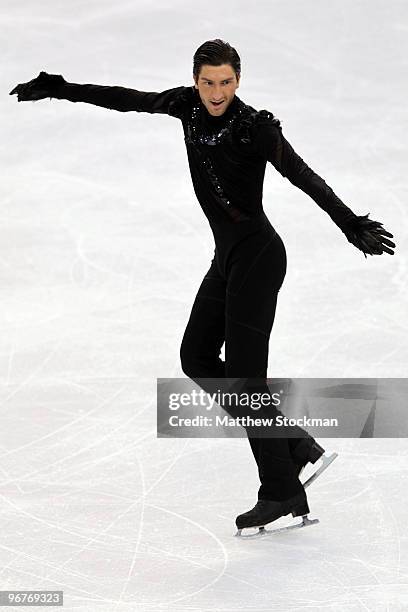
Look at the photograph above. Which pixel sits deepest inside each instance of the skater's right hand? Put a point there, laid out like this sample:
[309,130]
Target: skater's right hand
[43,86]
[369,236]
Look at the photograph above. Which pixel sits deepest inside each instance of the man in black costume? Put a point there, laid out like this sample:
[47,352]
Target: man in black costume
[228,144]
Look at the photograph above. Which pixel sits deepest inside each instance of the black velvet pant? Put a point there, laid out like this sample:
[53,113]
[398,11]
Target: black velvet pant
[236,304]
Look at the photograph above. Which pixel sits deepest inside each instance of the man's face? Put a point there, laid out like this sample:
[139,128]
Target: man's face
[216,84]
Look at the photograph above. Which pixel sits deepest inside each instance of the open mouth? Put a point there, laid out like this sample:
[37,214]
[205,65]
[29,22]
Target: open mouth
[217,103]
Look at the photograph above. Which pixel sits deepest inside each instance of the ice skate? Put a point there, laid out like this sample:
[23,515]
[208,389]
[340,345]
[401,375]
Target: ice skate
[267,511]
[310,451]
[326,461]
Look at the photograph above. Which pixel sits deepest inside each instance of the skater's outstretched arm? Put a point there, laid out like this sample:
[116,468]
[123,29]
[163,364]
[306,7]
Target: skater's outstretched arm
[367,235]
[114,97]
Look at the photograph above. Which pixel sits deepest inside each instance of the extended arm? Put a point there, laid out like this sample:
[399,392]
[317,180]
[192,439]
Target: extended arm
[119,98]
[366,234]
[114,97]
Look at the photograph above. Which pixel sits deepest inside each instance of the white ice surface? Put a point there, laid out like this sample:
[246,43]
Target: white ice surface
[103,247]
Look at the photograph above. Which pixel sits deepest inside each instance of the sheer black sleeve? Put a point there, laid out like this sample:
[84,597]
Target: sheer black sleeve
[365,234]
[125,99]
[272,145]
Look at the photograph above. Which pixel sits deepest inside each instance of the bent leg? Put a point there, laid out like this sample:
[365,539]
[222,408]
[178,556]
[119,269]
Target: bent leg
[205,331]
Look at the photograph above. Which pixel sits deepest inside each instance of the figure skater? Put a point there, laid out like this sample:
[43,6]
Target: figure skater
[228,144]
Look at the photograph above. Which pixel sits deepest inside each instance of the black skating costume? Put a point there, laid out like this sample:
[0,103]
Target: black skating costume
[236,300]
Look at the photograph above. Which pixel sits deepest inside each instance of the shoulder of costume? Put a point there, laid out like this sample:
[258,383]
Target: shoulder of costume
[250,119]
[181,100]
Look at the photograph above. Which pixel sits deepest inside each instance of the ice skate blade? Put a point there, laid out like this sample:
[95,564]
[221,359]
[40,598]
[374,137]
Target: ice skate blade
[326,461]
[306,522]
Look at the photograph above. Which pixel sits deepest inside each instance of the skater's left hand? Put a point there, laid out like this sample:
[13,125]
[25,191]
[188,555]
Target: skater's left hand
[43,86]
[369,236]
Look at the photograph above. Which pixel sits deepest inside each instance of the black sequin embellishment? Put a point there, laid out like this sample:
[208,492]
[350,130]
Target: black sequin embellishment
[233,212]
[237,128]
[196,136]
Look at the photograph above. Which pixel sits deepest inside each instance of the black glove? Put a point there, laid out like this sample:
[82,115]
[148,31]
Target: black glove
[43,86]
[368,236]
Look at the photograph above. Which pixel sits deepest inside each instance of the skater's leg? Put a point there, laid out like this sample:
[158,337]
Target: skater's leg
[250,310]
[275,465]
[205,331]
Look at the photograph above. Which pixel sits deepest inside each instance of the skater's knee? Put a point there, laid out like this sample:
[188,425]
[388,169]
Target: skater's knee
[188,361]
[197,365]
[187,368]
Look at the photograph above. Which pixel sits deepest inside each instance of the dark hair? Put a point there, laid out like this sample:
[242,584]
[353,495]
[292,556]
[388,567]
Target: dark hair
[215,53]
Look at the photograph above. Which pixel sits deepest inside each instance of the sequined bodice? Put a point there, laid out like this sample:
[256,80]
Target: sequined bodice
[203,134]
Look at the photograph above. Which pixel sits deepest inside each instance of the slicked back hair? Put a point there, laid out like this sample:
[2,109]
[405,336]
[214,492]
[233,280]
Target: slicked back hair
[215,53]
